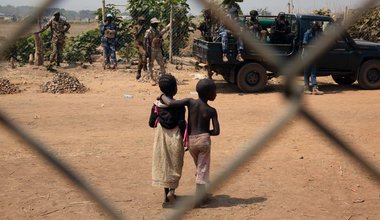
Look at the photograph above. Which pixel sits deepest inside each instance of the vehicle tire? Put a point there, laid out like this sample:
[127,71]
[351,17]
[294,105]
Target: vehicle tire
[252,77]
[344,80]
[369,75]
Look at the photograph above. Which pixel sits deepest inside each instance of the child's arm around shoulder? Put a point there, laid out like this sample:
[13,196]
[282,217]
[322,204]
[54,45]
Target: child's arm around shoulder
[215,123]
[153,117]
[175,103]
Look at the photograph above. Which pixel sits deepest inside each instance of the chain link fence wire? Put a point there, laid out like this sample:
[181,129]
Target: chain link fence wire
[293,94]
[178,46]
[39,147]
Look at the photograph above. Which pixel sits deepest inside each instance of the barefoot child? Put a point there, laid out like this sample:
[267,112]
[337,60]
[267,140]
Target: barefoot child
[168,150]
[200,115]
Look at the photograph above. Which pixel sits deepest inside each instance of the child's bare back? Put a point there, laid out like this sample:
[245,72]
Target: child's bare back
[200,113]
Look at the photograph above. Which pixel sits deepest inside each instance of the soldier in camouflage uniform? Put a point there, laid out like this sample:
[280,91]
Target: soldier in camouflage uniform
[109,40]
[206,27]
[139,31]
[153,46]
[255,26]
[58,28]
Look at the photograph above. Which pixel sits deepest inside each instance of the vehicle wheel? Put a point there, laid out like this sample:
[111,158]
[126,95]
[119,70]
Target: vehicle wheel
[344,80]
[252,77]
[369,75]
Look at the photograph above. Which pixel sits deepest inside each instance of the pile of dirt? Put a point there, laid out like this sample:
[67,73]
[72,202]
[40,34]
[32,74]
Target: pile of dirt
[63,83]
[7,87]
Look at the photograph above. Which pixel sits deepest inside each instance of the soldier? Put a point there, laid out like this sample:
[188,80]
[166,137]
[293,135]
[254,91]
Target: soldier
[58,28]
[225,34]
[139,31]
[206,26]
[280,31]
[108,31]
[153,46]
[254,25]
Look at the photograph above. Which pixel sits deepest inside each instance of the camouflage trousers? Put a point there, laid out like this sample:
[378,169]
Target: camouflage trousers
[56,54]
[109,52]
[156,55]
[142,58]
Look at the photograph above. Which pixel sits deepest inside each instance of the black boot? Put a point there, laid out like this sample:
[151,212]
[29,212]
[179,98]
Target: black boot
[138,75]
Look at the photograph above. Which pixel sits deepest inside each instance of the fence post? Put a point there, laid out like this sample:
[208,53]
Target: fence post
[38,56]
[103,11]
[171,35]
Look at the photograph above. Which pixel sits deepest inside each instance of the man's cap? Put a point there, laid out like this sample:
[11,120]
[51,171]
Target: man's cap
[154,21]
[56,13]
[253,13]
[281,15]
[141,18]
[109,16]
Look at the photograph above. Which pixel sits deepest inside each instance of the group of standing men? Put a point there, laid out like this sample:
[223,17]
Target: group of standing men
[148,41]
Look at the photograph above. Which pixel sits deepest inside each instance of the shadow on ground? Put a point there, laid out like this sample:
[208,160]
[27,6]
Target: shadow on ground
[228,201]
[218,201]
[328,88]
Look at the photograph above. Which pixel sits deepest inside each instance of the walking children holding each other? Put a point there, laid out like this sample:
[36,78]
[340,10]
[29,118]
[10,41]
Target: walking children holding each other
[168,150]
[199,117]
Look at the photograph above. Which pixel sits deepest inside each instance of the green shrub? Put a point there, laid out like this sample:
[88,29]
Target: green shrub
[82,47]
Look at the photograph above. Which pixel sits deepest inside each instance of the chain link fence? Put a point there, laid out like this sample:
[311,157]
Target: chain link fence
[293,95]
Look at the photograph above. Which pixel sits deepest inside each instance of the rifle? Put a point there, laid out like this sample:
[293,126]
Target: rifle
[140,31]
[148,48]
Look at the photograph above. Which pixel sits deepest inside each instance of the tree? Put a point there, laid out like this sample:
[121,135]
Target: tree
[264,12]
[322,11]
[232,3]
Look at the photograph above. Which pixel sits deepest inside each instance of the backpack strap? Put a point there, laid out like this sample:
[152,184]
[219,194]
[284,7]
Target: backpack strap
[186,138]
[158,117]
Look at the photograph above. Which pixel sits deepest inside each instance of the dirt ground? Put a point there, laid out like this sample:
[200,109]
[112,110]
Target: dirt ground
[106,138]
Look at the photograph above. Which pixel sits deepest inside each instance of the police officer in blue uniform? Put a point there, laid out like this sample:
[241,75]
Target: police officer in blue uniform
[108,31]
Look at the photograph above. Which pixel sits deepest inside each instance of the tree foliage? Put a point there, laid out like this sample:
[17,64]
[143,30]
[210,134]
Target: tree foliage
[82,47]
[264,11]
[323,12]
[367,27]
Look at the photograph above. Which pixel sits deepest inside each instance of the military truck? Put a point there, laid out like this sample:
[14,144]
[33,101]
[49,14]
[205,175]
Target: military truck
[346,61]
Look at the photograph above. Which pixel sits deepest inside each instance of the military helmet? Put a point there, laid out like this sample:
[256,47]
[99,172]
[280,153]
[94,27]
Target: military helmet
[56,13]
[154,21]
[281,15]
[109,16]
[253,13]
[141,18]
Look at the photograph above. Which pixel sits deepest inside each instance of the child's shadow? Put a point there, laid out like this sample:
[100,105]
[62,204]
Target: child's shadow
[227,201]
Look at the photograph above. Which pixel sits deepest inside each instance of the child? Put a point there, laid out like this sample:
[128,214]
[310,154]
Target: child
[168,150]
[200,115]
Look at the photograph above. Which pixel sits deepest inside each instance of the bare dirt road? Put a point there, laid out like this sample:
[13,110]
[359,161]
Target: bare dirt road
[105,137]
